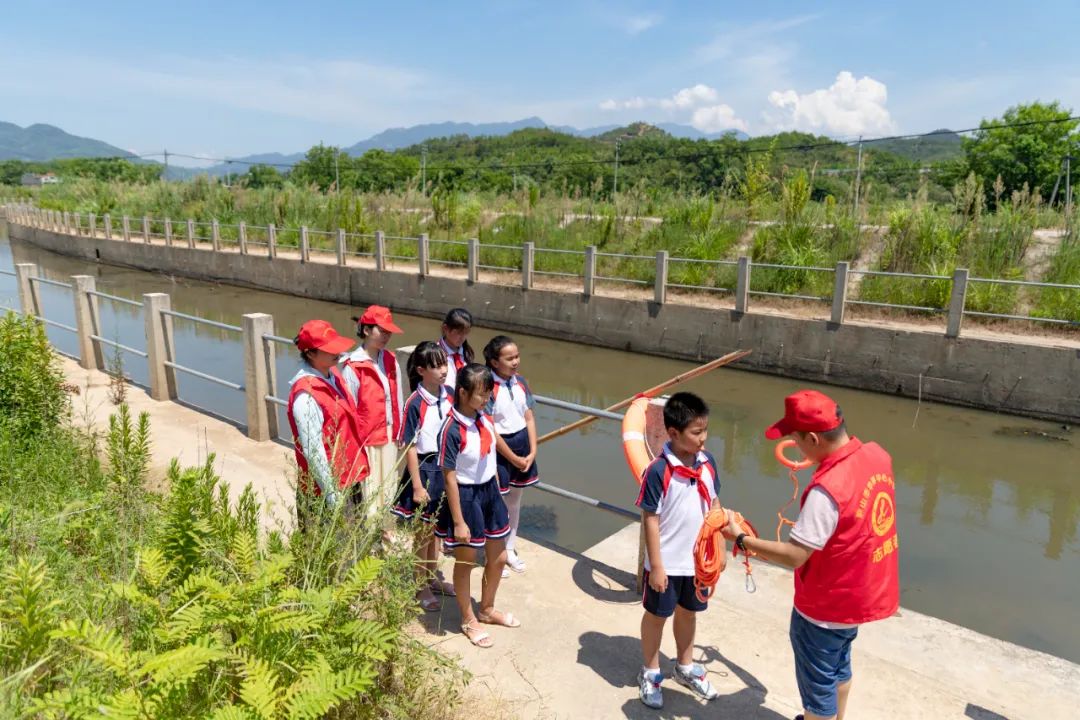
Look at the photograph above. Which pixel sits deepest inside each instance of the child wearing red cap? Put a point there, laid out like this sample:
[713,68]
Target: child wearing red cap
[322,415]
[379,403]
[844,548]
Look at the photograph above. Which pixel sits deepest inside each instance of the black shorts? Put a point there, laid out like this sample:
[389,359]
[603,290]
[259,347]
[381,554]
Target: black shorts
[680,591]
[510,476]
[483,510]
[432,478]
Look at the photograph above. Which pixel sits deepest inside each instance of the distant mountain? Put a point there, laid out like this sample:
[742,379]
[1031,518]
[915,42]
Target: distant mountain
[41,143]
[938,146]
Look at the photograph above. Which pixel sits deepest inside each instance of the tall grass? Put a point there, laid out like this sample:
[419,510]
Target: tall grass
[119,602]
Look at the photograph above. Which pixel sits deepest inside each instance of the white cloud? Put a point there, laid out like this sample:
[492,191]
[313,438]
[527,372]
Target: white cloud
[734,42]
[698,105]
[715,118]
[637,24]
[848,107]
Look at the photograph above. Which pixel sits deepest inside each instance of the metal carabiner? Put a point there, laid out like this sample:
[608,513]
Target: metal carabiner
[751,586]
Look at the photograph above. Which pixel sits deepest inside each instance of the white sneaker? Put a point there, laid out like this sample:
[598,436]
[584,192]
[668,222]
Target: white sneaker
[506,572]
[514,562]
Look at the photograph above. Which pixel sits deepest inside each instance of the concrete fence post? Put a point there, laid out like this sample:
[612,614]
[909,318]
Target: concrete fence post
[91,225]
[380,250]
[108,227]
[190,233]
[305,248]
[423,254]
[159,346]
[528,263]
[258,360]
[341,246]
[660,290]
[91,356]
[168,232]
[67,222]
[215,235]
[29,297]
[241,237]
[146,229]
[78,224]
[271,241]
[742,285]
[125,228]
[473,260]
[839,295]
[956,302]
[589,284]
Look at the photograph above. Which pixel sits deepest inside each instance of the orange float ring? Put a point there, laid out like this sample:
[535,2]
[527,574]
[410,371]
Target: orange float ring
[787,462]
[633,438]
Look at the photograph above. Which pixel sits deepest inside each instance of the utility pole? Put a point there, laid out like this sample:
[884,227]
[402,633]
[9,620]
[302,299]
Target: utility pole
[615,184]
[1068,190]
[337,175]
[165,171]
[858,176]
[423,169]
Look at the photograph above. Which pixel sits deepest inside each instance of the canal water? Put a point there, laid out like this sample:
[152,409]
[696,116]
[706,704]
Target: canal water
[988,507]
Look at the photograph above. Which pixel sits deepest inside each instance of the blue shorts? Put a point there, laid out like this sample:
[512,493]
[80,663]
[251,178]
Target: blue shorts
[510,476]
[432,478]
[680,591]
[822,662]
[483,510]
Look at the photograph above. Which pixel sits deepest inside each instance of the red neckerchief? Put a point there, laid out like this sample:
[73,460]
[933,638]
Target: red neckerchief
[456,355]
[694,475]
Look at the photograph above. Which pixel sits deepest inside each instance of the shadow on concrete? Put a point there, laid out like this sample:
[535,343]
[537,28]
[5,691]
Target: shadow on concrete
[598,580]
[977,712]
[617,659]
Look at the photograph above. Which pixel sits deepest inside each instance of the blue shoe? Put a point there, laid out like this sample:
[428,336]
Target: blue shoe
[649,689]
[696,681]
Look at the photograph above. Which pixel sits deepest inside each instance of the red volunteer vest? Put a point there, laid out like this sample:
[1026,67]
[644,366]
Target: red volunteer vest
[371,405]
[341,436]
[855,578]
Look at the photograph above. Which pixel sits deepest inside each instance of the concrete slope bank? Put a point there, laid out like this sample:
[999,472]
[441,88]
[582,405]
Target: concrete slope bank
[577,652]
[1038,378]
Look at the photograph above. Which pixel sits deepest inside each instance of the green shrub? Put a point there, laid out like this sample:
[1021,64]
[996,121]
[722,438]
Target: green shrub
[32,397]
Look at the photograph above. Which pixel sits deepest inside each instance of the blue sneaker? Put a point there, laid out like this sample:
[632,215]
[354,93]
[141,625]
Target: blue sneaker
[696,681]
[649,689]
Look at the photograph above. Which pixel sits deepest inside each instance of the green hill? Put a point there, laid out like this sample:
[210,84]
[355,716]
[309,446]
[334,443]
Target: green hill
[41,143]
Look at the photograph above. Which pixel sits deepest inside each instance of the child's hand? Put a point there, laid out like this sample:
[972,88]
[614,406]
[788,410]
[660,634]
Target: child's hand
[521,463]
[420,495]
[658,579]
[461,533]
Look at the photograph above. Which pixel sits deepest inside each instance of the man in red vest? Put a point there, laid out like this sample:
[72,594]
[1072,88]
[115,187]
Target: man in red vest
[844,549]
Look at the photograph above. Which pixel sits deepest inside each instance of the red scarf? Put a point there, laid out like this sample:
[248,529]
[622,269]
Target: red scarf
[694,475]
[486,437]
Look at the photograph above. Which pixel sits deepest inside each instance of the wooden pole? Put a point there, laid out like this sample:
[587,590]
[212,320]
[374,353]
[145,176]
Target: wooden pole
[651,392]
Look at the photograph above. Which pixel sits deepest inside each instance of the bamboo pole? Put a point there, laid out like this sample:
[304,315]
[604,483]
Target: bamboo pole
[651,392]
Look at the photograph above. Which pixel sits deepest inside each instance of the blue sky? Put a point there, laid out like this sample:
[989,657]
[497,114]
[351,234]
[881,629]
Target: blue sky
[232,78]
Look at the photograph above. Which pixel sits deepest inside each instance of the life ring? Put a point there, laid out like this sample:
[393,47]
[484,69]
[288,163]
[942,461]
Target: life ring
[633,438]
[787,462]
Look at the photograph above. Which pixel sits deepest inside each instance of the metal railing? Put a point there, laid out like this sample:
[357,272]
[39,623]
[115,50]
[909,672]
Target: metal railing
[592,267]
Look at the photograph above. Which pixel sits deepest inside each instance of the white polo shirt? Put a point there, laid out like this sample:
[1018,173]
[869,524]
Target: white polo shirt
[511,398]
[681,505]
[462,442]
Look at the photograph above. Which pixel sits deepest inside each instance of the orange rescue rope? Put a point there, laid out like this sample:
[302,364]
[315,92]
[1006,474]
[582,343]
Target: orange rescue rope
[709,555]
[793,467]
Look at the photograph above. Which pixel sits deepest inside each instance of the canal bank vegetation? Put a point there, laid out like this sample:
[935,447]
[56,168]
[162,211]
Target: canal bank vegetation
[121,602]
[927,206]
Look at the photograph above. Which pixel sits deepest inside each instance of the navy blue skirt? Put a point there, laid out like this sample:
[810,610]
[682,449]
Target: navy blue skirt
[482,509]
[432,478]
[510,476]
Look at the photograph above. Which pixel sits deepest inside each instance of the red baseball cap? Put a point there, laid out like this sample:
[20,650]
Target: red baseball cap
[806,411]
[378,315]
[321,335]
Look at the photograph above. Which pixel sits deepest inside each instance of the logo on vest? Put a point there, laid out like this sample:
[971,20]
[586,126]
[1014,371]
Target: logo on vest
[882,515]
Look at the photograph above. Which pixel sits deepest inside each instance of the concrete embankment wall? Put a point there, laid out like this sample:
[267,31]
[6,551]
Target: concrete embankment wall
[1038,380]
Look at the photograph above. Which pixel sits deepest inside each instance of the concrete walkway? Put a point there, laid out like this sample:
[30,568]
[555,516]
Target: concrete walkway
[577,652]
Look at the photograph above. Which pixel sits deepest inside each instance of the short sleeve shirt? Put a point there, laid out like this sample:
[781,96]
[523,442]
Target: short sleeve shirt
[467,446]
[510,400]
[681,505]
[424,416]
